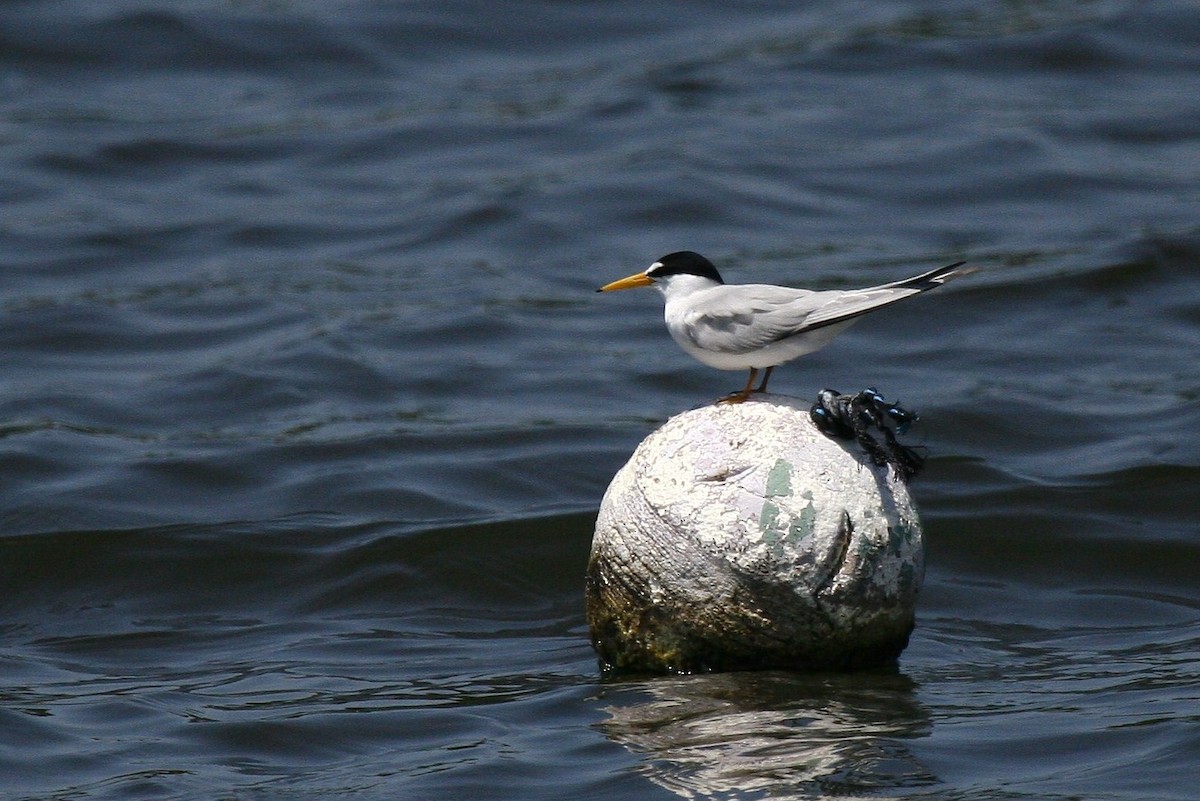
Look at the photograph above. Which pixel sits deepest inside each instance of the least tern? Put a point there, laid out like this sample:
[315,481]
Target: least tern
[760,326]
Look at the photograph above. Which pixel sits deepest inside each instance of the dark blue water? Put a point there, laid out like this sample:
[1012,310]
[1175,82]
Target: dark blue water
[308,403]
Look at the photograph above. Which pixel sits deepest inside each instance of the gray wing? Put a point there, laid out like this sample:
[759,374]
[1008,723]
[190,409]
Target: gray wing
[857,302]
[745,317]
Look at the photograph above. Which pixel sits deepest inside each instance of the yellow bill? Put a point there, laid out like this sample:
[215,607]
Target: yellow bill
[635,280]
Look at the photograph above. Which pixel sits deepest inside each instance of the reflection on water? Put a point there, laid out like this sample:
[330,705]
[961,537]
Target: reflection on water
[779,734]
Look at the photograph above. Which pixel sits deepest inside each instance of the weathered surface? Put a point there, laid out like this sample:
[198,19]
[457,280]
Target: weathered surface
[741,537]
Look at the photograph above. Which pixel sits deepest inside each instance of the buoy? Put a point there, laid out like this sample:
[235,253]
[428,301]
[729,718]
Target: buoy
[741,537]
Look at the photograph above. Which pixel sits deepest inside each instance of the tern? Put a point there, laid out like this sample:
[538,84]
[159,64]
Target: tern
[760,326]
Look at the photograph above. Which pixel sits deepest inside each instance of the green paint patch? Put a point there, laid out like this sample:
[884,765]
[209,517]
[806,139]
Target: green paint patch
[778,527]
[779,480]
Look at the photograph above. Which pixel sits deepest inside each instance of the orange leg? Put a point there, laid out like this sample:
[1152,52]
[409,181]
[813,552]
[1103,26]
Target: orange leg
[740,397]
[763,386]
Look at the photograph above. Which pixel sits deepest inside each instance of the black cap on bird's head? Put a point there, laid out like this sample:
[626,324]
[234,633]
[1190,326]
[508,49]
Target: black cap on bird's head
[683,262]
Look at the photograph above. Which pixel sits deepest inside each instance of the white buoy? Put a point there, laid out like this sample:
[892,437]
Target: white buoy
[739,537]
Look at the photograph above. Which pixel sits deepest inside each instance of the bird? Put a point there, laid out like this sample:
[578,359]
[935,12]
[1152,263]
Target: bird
[761,326]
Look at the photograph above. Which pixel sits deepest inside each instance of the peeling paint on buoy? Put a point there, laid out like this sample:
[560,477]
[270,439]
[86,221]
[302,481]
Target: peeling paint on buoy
[740,537]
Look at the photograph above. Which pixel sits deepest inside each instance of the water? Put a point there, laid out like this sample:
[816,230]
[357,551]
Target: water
[308,403]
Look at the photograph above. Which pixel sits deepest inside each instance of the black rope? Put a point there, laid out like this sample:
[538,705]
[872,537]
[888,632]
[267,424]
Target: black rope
[853,416]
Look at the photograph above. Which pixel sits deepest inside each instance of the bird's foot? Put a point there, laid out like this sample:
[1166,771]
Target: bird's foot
[741,396]
[744,393]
